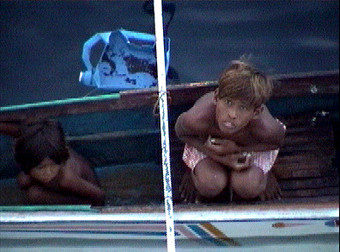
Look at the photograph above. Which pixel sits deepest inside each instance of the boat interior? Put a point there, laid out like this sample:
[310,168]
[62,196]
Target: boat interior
[120,136]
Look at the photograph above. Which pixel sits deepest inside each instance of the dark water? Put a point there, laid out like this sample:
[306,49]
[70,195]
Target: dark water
[41,42]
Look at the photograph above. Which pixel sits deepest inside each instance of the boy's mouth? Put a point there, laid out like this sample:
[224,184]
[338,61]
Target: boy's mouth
[229,125]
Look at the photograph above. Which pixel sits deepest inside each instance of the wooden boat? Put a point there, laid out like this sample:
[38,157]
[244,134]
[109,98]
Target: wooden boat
[120,135]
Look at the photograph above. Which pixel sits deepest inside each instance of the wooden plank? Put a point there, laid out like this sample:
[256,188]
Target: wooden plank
[311,200]
[313,137]
[308,158]
[306,148]
[301,166]
[309,183]
[126,101]
[329,191]
[114,135]
[294,86]
[305,121]
[289,86]
[306,130]
[290,174]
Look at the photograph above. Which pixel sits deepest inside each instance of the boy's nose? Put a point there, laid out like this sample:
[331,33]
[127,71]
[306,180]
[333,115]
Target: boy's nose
[232,114]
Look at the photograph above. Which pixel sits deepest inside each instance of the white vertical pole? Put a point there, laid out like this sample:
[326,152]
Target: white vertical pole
[163,111]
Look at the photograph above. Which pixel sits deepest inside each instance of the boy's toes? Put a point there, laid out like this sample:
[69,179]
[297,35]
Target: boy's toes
[198,199]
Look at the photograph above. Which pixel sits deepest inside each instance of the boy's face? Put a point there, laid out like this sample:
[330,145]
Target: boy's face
[234,114]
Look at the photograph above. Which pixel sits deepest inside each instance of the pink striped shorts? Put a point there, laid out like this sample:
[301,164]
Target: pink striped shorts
[264,160]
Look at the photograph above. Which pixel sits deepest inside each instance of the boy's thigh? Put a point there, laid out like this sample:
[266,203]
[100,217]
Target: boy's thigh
[249,183]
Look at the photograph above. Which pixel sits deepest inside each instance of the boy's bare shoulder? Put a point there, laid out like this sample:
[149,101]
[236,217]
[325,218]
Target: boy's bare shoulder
[208,97]
[266,128]
[198,119]
[204,107]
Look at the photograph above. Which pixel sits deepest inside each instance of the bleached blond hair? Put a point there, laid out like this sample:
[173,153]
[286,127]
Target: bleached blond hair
[243,81]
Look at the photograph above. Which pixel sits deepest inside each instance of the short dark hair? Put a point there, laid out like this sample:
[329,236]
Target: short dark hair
[39,140]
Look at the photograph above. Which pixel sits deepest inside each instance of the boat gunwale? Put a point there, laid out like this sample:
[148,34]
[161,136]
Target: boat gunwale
[134,99]
[183,213]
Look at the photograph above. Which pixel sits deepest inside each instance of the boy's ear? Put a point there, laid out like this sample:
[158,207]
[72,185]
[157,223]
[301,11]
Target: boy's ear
[258,111]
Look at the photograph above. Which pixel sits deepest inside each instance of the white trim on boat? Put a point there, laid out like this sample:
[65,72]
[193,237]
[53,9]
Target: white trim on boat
[185,214]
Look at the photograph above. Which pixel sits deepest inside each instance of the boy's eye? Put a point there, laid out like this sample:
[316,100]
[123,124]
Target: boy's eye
[228,102]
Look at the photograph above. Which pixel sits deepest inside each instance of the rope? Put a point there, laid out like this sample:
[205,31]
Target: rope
[170,232]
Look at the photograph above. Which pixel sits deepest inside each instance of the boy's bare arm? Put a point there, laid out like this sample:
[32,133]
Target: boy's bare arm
[83,188]
[37,194]
[268,132]
[198,120]
[82,166]
[193,127]
[192,131]
[71,179]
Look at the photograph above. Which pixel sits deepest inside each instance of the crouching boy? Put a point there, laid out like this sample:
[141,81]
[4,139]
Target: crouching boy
[53,173]
[231,139]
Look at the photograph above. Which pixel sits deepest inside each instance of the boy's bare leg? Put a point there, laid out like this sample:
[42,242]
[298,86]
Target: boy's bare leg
[79,186]
[208,179]
[273,190]
[187,188]
[252,183]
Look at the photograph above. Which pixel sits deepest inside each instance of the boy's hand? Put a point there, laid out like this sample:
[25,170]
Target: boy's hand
[222,147]
[237,162]
[228,153]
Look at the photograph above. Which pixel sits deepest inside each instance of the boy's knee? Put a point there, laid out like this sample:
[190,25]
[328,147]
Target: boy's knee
[248,185]
[211,190]
[210,181]
[254,189]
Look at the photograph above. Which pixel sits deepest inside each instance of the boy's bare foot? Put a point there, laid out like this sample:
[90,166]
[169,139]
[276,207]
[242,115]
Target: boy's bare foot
[273,190]
[187,189]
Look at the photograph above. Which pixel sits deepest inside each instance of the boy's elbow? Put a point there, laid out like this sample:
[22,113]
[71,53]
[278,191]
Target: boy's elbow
[177,127]
[180,128]
[279,138]
[278,134]
[275,141]
[189,125]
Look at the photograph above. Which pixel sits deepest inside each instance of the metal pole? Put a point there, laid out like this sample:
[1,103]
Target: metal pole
[163,111]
